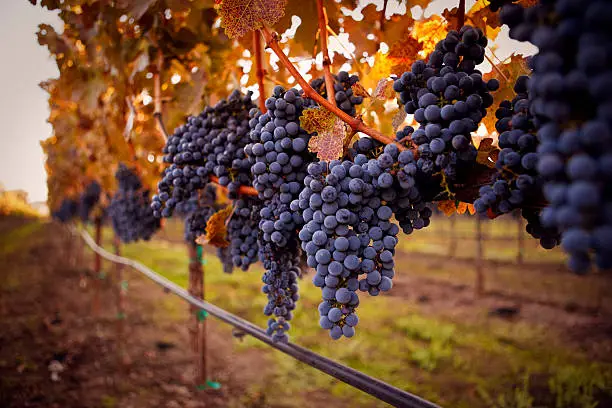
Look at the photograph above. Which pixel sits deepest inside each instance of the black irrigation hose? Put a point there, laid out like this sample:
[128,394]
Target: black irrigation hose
[352,377]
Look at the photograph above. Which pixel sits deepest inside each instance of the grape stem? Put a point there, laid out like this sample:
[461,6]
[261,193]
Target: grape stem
[355,123]
[356,63]
[382,17]
[260,72]
[329,80]
[461,15]
[157,96]
[244,190]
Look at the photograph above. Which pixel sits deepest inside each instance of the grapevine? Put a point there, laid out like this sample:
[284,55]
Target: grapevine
[311,176]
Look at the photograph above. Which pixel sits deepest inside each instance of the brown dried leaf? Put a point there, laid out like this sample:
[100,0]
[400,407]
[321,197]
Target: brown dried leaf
[317,120]
[329,144]
[216,229]
[398,119]
[403,53]
[448,207]
[238,17]
[359,90]
[384,90]
[487,153]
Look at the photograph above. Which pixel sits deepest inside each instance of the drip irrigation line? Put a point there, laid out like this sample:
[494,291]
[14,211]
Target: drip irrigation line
[350,376]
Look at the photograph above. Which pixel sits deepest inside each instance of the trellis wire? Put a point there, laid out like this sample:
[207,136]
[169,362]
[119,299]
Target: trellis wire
[373,386]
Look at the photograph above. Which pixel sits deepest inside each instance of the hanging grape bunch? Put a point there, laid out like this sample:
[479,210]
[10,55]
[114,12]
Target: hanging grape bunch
[517,181]
[88,200]
[208,145]
[448,98]
[66,211]
[130,208]
[568,90]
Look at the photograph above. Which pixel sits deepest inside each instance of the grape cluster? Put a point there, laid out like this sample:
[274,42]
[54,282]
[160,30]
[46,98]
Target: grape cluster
[88,200]
[517,182]
[195,222]
[516,176]
[66,211]
[347,233]
[345,99]
[130,208]
[210,144]
[448,98]
[279,146]
[279,154]
[397,176]
[242,232]
[197,210]
[570,96]
[280,285]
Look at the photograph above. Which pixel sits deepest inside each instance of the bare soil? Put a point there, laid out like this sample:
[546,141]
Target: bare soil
[47,315]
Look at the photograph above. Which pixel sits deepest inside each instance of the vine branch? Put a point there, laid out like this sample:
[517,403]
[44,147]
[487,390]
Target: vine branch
[260,72]
[382,18]
[157,114]
[329,80]
[461,15]
[355,123]
[244,190]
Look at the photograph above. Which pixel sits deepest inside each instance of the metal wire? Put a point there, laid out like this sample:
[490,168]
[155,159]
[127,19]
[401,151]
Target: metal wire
[350,376]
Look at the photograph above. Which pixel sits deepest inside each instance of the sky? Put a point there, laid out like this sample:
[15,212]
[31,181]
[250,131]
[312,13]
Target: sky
[23,105]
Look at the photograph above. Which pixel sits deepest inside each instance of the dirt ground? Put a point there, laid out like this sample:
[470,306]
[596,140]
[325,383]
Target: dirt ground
[47,315]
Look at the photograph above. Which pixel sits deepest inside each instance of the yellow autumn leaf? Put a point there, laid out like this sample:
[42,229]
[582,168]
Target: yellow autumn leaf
[448,207]
[317,120]
[216,229]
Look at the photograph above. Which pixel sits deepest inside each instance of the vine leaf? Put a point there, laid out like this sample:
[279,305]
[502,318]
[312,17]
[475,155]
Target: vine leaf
[462,207]
[487,153]
[359,90]
[398,119]
[384,90]
[216,229]
[471,209]
[238,17]
[136,9]
[318,120]
[403,53]
[512,68]
[328,143]
[448,207]
[304,40]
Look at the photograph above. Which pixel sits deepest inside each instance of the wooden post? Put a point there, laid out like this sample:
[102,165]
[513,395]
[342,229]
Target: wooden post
[480,283]
[520,238]
[120,298]
[97,278]
[197,327]
[452,243]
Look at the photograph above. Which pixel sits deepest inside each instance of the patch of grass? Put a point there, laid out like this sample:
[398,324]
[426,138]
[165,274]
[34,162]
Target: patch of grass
[578,386]
[16,238]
